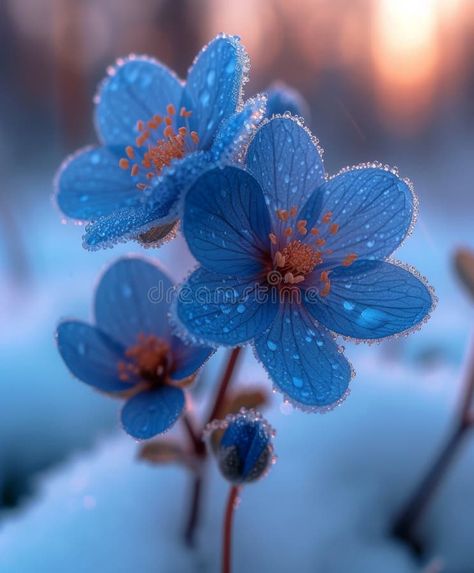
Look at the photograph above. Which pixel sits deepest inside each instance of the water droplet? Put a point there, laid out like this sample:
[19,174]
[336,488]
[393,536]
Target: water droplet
[298,382]
[348,305]
[211,76]
[241,308]
[272,345]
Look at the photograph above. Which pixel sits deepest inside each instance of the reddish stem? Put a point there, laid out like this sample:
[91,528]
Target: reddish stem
[227,532]
[406,523]
[224,384]
[200,449]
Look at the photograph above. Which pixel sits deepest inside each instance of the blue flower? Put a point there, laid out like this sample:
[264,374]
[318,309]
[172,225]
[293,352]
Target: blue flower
[289,257]
[282,99]
[130,351]
[244,452]
[158,135]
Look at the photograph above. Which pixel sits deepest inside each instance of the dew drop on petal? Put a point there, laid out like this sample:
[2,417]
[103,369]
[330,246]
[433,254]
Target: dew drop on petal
[272,345]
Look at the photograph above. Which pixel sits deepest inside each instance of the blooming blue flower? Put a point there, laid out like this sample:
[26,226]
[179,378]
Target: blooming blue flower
[289,257]
[244,452]
[282,99]
[158,134]
[130,351]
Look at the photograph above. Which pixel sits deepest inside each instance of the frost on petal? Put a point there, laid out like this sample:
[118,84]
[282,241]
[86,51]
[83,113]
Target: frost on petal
[213,87]
[226,222]
[371,300]
[285,99]
[136,89]
[91,355]
[285,160]
[223,310]
[90,184]
[303,360]
[159,206]
[152,412]
[235,132]
[133,297]
[372,208]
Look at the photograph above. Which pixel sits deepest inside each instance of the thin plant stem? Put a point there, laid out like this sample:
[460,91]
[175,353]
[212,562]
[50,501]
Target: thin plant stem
[194,514]
[227,530]
[408,519]
[224,383]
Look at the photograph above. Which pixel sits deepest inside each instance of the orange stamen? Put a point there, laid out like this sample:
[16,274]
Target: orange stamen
[334,228]
[130,152]
[349,259]
[171,109]
[124,163]
[134,171]
[327,217]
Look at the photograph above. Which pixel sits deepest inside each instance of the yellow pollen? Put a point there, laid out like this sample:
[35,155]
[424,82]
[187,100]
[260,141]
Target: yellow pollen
[147,359]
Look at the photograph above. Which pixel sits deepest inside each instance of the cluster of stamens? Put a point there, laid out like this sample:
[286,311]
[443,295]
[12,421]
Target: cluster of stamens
[299,257]
[148,360]
[158,144]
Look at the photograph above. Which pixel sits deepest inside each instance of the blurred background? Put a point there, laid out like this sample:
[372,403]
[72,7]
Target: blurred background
[385,80]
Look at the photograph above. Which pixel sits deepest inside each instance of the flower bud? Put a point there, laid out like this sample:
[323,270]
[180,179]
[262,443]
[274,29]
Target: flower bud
[244,452]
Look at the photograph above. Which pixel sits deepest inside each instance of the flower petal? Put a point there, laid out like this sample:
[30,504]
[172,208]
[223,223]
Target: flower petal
[91,355]
[90,184]
[137,88]
[285,99]
[285,160]
[159,205]
[152,412]
[226,222]
[372,207]
[213,87]
[223,310]
[188,359]
[303,360]
[236,131]
[133,297]
[371,300]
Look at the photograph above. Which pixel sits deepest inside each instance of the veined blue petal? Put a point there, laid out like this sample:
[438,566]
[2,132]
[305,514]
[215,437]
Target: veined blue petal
[226,222]
[137,88]
[187,358]
[371,299]
[373,208]
[90,184]
[133,297]
[236,131]
[285,99]
[213,87]
[152,412]
[160,205]
[224,310]
[91,355]
[285,160]
[303,360]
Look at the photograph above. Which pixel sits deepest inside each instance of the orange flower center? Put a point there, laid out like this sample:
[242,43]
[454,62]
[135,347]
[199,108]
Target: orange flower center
[148,359]
[296,258]
[158,143]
